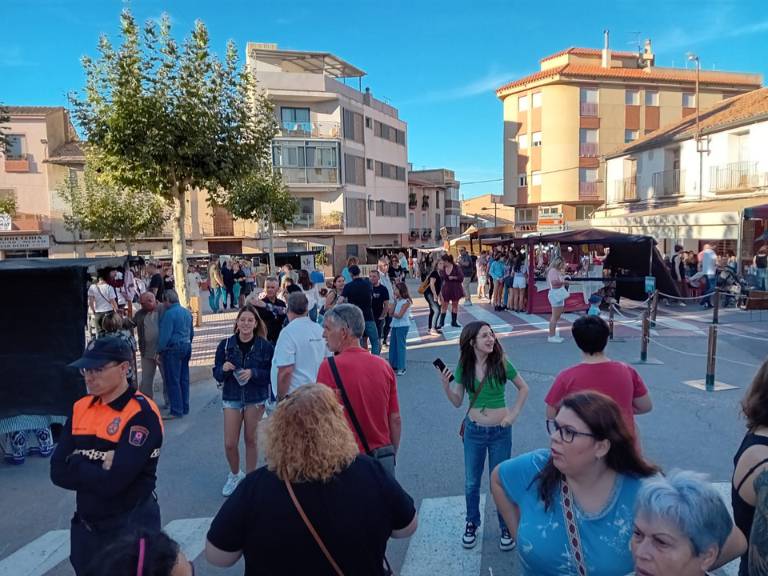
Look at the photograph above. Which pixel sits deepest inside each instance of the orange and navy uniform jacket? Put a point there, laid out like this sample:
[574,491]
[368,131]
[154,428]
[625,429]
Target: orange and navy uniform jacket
[131,426]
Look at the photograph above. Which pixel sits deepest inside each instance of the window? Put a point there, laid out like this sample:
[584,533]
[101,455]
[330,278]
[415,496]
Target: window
[390,171]
[16,147]
[369,163]
[522,180]
[584,212]
[353,126]
[522,141]
[588,95]
[368,122]
[387,132]
[411,221]
[294,114]
[522,104]
[587,135]
[524,215]
[587,174]
[390,209]
[306,210]
[354,171]
[535,178]
[632,98]
[536,99]
[689,100]
[437,198]
[355,212]
[651,97]
[536,139]
[630,136]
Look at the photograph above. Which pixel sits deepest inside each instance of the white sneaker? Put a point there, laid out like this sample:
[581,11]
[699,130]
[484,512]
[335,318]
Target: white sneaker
[232,481]
[554,339]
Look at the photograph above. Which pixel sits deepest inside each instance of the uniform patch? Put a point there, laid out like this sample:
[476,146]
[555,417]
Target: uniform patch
[137,435]
[114,426]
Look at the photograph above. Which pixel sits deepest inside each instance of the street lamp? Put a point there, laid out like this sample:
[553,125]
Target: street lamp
[495,204]
[694,58]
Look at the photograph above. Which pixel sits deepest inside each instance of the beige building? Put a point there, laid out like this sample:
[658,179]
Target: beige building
[433,207]
[342,153]
[42,154]
[583,104]
[487,211]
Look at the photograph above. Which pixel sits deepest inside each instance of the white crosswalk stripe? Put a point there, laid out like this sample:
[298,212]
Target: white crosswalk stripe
[190,534]
[497,323]
[39,556]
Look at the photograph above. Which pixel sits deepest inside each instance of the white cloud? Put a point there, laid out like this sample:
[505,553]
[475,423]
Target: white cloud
[721,27]
[484,85]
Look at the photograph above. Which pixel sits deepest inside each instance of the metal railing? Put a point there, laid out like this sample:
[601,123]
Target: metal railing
[309,175]
[588,190]
[588,108]
[331,221]
[310,129]
[626,189]
[669,183]
[736,176]
[589,149]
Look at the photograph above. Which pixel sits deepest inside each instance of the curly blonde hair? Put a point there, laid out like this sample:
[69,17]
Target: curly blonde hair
[307,439]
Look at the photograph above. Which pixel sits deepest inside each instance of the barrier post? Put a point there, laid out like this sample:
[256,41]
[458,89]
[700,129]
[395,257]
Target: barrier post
[709,381]
[646,337]
[654,307]
[610,321]
[716,307]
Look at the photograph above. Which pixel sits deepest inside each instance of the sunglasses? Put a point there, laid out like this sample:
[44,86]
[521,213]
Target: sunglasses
[96,371]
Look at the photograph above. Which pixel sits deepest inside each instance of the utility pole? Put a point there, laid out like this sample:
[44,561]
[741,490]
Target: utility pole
[697,135]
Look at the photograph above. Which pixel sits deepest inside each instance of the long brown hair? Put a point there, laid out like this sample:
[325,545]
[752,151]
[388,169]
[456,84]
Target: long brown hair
[402,289]
[602,416]
[495,368]
[261,327]
[755,402]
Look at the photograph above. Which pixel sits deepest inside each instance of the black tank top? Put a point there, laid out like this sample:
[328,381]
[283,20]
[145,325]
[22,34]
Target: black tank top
[743,513]
[761,261]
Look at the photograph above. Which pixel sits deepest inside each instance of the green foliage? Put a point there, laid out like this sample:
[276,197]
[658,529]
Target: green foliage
[8,205]
[111,214]
[260,196]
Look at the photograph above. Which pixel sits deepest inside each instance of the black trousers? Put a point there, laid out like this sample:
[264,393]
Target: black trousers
[387,323]
[87,539]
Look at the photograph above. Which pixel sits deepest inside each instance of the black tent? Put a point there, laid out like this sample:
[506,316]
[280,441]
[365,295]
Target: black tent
[43,329]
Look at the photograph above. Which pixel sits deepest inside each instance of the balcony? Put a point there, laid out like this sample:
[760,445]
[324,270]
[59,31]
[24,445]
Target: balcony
[414,235]
[736,177]
[311,221]
[425,203]
[588,191]
[589,149]
[310,129]
[426,234]
[321,176]
[588,108]
[626,189]
[412,202]
[669,183]
[18,164]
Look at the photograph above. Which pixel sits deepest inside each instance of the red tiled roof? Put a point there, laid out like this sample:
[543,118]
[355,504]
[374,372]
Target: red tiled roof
[69,153]
[589,52]
[583,71]
[741,109]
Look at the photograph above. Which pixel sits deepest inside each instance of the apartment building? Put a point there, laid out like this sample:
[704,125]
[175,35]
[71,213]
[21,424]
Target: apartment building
[43,152]
[581,105]
[487,210]
[694,182]
[433,207]
[342,153]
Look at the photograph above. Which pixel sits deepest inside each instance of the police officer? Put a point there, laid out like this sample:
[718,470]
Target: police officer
[108,454]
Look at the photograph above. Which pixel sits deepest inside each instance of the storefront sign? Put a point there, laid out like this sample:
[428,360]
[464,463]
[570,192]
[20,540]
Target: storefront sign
[24,242]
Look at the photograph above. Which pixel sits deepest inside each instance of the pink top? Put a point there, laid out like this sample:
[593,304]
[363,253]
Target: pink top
[554,278]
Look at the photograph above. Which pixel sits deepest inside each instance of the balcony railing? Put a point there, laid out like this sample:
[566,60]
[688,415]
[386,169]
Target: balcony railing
[588,108]
[310,129]
[412,202]
[626,189]
[736,177]
[669,183]
[588,149]
[330,221]
[588,190]
[426,234]
[414,234]
[327,176]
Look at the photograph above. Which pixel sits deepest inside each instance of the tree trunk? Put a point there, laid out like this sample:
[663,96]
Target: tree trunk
[271,236]
[179,245]
[128,247]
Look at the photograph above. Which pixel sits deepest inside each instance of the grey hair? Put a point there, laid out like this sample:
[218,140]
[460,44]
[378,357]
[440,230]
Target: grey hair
[297,303]
[271,279]
[171,296]
[689,502]
[350,315]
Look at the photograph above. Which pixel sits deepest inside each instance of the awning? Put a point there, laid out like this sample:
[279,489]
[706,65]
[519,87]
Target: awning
[757,212]
[701,207]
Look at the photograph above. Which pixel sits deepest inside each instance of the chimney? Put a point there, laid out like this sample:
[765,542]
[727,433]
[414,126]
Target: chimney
[367,96]
[648,58]
[606,63]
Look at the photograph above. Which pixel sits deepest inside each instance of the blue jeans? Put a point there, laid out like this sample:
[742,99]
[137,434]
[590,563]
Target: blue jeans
[497,442]
[761,278]
[397,347]
[214,299]
[176,373]
[711,285]
[373,336]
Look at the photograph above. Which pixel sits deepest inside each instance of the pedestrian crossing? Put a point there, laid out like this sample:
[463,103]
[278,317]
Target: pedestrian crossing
[435,548]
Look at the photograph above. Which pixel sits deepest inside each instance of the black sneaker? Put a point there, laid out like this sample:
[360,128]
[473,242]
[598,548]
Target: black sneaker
[506,543]
[470,537]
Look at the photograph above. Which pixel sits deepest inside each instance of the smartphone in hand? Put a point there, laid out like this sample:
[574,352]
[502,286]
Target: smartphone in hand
[440,365]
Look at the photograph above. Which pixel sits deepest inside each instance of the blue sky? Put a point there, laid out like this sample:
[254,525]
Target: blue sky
[437,61]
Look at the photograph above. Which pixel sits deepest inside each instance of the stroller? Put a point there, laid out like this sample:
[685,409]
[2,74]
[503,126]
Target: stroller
[731,285]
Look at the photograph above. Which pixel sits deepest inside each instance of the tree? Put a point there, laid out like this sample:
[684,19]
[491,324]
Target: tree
[263,197]
[111,214]
[171,119]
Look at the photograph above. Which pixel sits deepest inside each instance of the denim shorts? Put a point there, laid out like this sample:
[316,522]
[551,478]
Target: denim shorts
[240,405]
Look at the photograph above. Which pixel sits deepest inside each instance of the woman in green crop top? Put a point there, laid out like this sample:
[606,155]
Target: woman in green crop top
[483,372]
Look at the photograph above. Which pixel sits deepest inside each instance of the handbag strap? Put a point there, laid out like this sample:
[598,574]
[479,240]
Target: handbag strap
[312,530]
[348,404]
[475,397]
[574,541]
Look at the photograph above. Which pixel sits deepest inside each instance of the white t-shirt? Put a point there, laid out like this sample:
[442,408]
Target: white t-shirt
[302,345]
[313,297]
[193,284]
[102,294]
[709,262]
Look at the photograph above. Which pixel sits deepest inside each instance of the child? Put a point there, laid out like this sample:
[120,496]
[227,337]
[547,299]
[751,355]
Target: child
[594,305]
[401,321]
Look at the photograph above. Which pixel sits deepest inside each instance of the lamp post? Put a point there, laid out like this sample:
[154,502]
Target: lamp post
[485,208]
[697,136]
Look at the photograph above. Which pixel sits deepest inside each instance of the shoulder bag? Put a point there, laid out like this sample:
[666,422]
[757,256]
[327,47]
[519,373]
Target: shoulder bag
[471,404]
[574,541]
[424,285]
[312,530]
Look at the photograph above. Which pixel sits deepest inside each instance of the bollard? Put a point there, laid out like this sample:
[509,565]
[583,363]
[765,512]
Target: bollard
[610,321]
[645,338]
[709,382]
[716,307]
[654,308]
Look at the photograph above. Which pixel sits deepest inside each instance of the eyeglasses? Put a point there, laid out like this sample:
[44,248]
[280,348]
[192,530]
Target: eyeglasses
[567,434]
[96,371]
